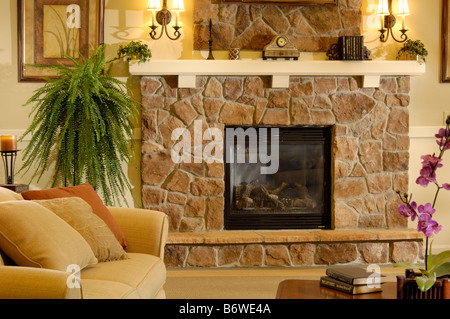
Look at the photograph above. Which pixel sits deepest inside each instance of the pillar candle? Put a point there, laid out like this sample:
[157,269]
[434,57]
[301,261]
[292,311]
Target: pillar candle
[9,143]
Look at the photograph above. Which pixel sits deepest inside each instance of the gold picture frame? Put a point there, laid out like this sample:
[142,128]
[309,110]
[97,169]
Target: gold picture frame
[445,57]
[50,29]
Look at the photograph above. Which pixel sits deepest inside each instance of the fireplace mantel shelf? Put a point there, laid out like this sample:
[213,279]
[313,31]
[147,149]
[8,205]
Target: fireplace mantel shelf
[280,71]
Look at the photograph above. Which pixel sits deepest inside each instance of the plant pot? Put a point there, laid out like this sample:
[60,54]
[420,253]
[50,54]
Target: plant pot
[131,58]
[409,57]
[407,289]
[135,57]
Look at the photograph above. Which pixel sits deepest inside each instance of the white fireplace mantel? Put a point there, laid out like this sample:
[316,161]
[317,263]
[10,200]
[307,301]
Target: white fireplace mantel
[280,71]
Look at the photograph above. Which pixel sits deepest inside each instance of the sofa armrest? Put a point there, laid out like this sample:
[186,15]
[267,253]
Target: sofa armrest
[35,283]
[145,230]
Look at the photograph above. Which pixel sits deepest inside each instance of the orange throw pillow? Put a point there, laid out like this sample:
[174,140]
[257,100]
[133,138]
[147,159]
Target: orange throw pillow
[86,192]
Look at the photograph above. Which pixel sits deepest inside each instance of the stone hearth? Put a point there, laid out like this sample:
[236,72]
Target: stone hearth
[370,150]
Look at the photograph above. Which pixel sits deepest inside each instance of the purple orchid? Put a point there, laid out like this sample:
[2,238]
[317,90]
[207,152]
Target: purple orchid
[428,225]
[443,138]
[408,210]
[427,209]
[428,172]
[430,163]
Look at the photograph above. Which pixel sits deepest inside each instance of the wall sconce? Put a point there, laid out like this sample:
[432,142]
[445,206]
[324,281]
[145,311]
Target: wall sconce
[388,20]
[163,17]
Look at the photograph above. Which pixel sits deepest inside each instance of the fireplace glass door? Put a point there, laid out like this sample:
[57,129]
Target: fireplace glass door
[278,177]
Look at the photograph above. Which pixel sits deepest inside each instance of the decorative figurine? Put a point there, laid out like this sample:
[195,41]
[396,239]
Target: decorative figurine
[210,56]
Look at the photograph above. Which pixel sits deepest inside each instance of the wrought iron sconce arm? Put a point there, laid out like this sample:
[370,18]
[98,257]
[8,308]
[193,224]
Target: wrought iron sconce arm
[389,31]
[388,22]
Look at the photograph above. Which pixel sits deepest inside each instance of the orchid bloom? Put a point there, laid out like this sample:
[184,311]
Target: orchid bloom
[408,210]
[430,163]
[443,138]
[427,225]
[428,172]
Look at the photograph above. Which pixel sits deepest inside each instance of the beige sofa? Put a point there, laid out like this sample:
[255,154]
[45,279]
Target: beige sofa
[141,275]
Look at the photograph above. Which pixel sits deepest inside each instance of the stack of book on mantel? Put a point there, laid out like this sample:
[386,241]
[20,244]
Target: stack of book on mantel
[352,280]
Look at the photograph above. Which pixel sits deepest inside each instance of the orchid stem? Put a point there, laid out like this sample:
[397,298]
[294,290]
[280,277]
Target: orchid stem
[435,196]
[426,253]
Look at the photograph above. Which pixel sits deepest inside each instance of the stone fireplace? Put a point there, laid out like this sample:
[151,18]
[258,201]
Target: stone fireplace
[369,161]
[369,147]
[370,144]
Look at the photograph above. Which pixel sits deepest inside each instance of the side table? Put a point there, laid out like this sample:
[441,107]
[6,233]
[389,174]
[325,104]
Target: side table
[18,188]
[311,289]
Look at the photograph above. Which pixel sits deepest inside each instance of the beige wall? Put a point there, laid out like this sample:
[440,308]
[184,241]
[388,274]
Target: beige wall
[429,100]
[426,91]
[127,20]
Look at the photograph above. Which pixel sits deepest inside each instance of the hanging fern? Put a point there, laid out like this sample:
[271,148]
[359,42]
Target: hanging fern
[82,124]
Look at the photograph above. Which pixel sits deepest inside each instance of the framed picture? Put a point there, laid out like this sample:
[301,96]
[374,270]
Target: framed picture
[299,2]
[48,30]
[445,58]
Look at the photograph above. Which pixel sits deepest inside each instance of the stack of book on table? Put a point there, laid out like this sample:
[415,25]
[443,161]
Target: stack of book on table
[352,280]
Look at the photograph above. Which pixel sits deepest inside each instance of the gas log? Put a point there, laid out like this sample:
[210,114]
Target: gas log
[286,196]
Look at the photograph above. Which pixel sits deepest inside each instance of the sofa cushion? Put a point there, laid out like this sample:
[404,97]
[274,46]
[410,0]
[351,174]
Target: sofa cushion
[6,260]
[7,195]
[86,192]
[145,273]
[104,289]
[78,214]
[33,236]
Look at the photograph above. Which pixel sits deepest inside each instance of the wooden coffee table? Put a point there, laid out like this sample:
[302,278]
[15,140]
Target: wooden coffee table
[311,289]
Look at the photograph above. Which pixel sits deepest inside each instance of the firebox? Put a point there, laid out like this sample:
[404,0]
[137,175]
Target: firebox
[277,177]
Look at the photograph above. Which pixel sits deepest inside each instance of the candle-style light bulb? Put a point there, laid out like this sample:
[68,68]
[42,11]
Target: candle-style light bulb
[403,11]
[383,9]
[177,6]
[153,6]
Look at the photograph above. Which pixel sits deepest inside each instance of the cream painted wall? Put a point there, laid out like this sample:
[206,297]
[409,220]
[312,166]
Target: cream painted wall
[128,20]
[424,24]
[429,99]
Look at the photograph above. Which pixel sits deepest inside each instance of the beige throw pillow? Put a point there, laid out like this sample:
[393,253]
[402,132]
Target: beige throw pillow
[7,195]
[86,192]
[33,236]
[79,214]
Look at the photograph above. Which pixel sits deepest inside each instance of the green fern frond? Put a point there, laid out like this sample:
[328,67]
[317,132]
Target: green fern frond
[83,125]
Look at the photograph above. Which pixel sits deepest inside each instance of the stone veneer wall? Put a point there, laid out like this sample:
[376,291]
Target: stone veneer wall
[251,27]
[370,150]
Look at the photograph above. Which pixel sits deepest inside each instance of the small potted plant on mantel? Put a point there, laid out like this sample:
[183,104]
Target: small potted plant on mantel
[135,50]
[412,50]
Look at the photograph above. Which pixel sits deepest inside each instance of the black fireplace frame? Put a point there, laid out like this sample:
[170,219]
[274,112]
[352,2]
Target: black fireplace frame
[273,221]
